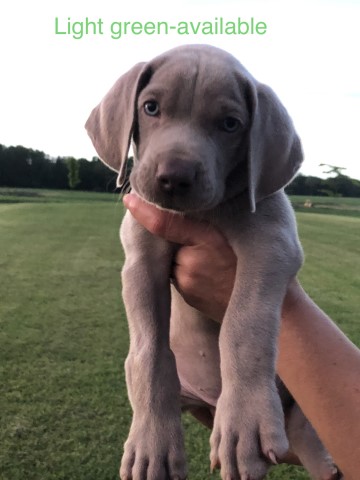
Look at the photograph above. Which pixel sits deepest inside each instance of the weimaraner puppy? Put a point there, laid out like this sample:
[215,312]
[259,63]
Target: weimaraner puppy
[213,143]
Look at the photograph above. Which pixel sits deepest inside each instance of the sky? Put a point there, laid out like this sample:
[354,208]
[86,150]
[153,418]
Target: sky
[49,82]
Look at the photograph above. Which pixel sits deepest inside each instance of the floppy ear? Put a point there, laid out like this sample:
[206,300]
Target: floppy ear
[111,123]
[275,152]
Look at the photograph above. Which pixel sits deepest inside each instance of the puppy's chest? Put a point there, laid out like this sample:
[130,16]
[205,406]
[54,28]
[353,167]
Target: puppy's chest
[234,223]
[273,216]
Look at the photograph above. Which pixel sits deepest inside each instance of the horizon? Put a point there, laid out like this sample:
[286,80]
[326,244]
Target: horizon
[95,157]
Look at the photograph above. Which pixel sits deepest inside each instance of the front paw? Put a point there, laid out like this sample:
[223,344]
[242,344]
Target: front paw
[248,434]
[154,450]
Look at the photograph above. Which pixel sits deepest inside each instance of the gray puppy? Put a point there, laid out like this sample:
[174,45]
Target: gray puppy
[213,143]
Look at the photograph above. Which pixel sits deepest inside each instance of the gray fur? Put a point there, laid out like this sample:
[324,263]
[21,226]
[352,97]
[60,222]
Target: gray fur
[186,161]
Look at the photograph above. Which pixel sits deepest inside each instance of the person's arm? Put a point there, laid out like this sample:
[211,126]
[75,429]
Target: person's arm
[321,369]
[318,364]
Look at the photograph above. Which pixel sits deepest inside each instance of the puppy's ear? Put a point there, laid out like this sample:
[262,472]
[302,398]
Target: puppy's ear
[110,124]
[275,152]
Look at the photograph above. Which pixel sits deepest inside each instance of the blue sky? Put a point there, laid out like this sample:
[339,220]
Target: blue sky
[309,56]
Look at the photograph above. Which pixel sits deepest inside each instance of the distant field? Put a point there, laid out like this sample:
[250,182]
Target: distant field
[331,205]
[63,332]
[34,195]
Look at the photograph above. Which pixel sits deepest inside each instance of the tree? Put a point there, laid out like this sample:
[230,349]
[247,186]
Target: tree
[73,172]
[333,169]
[339,185]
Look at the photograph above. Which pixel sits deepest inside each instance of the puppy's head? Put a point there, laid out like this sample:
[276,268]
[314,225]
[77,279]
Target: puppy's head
[203,130]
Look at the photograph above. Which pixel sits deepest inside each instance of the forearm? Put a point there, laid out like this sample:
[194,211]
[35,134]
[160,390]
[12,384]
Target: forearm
[321,368]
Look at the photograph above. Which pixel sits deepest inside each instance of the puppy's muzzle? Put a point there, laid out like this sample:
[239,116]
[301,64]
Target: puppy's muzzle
[175,178]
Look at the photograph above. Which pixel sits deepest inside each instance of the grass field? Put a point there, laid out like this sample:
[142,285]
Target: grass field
[63,333]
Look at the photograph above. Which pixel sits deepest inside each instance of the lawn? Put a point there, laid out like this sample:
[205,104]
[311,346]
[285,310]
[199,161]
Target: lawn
[63,332]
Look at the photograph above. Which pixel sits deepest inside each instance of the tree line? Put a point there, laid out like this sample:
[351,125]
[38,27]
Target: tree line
[22,167]
[26,168]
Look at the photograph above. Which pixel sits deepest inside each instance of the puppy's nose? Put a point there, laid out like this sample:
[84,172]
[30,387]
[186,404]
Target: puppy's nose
[175,178]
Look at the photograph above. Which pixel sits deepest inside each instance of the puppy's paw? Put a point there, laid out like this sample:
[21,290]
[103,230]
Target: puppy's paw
[154,451]
[248,434]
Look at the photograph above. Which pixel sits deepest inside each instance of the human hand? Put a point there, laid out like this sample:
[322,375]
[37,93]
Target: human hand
[204,266]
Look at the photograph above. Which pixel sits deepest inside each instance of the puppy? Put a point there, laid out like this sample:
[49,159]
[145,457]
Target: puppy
[213,143]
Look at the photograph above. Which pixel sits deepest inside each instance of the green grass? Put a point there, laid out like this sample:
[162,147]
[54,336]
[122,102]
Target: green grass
[35,195]
[63,332]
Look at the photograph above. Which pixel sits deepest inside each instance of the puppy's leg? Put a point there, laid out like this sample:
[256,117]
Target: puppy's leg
[249,428]
[154,449]
[307,446]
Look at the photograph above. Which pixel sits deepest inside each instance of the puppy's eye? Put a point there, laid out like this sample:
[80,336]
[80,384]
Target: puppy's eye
[151,108]
[230,124]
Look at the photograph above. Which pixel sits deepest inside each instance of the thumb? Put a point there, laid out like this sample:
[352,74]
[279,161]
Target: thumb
[171,226]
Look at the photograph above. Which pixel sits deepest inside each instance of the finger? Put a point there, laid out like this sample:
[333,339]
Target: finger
[196,257]
[171,226]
